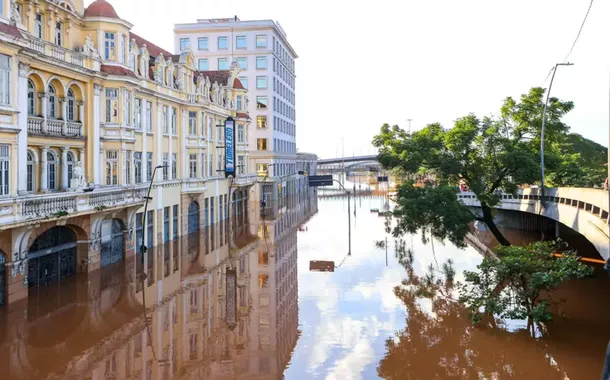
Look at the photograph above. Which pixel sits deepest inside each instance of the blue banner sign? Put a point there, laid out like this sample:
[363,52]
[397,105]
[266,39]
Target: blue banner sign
[230,147]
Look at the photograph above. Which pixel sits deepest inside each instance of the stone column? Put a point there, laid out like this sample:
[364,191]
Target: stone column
[123,163]
[64,168]
[43,102]
[43,169]
[22,142]
[64,115]
[81,116]
[97,92]
[144,140]
[81,159]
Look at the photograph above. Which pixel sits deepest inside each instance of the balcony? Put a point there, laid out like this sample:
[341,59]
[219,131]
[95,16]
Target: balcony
[56,52]
[33,207]
[117,132]
[52,127]
[245,179]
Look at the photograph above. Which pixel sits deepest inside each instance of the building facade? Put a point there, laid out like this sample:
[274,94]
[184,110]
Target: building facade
[266,68]
[90,115]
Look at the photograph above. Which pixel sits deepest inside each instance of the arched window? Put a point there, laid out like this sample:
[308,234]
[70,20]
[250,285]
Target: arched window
[193,217]
[51,171]
[52,103]
[70,164]
[71,105]
[30,172]
[31,98]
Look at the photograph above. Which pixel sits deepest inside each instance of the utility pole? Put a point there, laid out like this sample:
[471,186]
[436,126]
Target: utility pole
[546,104]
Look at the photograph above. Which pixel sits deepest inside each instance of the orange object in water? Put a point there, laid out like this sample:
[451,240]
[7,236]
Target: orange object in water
[585,259]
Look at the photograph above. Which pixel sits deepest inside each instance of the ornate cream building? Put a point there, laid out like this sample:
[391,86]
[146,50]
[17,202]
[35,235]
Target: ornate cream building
[88,112]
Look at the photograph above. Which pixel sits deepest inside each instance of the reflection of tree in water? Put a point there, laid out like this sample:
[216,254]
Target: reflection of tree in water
[442,343]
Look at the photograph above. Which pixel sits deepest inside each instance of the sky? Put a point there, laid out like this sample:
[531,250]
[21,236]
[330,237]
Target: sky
[365,63]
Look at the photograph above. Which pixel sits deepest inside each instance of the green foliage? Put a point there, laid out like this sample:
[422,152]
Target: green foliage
[436,208]
[518,284]
[488,155]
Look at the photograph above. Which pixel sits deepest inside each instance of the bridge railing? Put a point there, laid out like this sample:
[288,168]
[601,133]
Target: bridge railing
[594,201]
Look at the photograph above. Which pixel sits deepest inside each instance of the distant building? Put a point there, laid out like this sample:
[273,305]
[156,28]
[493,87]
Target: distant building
[267,69]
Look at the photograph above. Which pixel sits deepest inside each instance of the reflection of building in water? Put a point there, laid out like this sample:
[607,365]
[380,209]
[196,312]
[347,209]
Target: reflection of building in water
[97,329]
[274,318]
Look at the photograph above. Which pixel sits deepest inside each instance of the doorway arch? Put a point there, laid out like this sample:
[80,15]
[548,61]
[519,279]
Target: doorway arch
[112,242]
[193,217]
[52,256]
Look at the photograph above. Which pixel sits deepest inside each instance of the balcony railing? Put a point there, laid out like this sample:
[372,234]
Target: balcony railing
[35,125]
[74,129]
[54,127]
[56,51]
[245,179]
[62,204]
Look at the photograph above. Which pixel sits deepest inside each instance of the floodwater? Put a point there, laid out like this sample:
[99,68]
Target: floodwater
[370,318]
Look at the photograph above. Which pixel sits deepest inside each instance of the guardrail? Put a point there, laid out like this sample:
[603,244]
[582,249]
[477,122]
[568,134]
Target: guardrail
[33,207]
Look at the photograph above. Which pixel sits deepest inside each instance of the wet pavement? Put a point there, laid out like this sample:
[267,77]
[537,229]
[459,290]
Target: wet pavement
[374,316]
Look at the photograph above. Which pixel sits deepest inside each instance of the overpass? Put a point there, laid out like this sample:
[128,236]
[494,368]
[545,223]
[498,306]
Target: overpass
[371,158]
[586,211]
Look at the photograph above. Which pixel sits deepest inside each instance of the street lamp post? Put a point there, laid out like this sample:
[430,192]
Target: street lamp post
[148,198]
[349,219]
[546,105]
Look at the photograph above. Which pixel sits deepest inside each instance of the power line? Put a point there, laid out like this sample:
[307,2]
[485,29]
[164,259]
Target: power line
[582,25]
[579,31]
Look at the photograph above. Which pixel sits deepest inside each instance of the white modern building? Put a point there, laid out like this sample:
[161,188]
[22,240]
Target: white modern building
[267,63]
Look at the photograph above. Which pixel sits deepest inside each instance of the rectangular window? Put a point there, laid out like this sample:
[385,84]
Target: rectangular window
[240,133]
[127,110]
[261,82]
[184,44]
[241,165]
[137,166]
[174,112]
[202,43]
[138,114]
[165,114]
[5,169]
[128,167]
[39,30]
[203,65]
[192,166]
[261,41]
[244,82]
[193,123]
[261,121]
[112,167]
[223,43]
[261,144]
[240,42]
[239,102]
[58,33]
[175,223]
[165,166]
[261,62]
[109,46]
[243,63]
[149,165]
[112,105]
[261,102]
[149,116]
[5,79]
[174,165]
[165,224]
[223,64]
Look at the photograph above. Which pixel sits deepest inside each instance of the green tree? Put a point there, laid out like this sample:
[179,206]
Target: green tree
[519,283]
[488,155]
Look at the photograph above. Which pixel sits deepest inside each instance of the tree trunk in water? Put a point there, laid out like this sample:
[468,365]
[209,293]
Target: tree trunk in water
[488,219]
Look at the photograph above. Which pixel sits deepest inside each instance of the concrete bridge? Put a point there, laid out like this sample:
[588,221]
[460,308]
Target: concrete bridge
[356,164]
[586,211]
